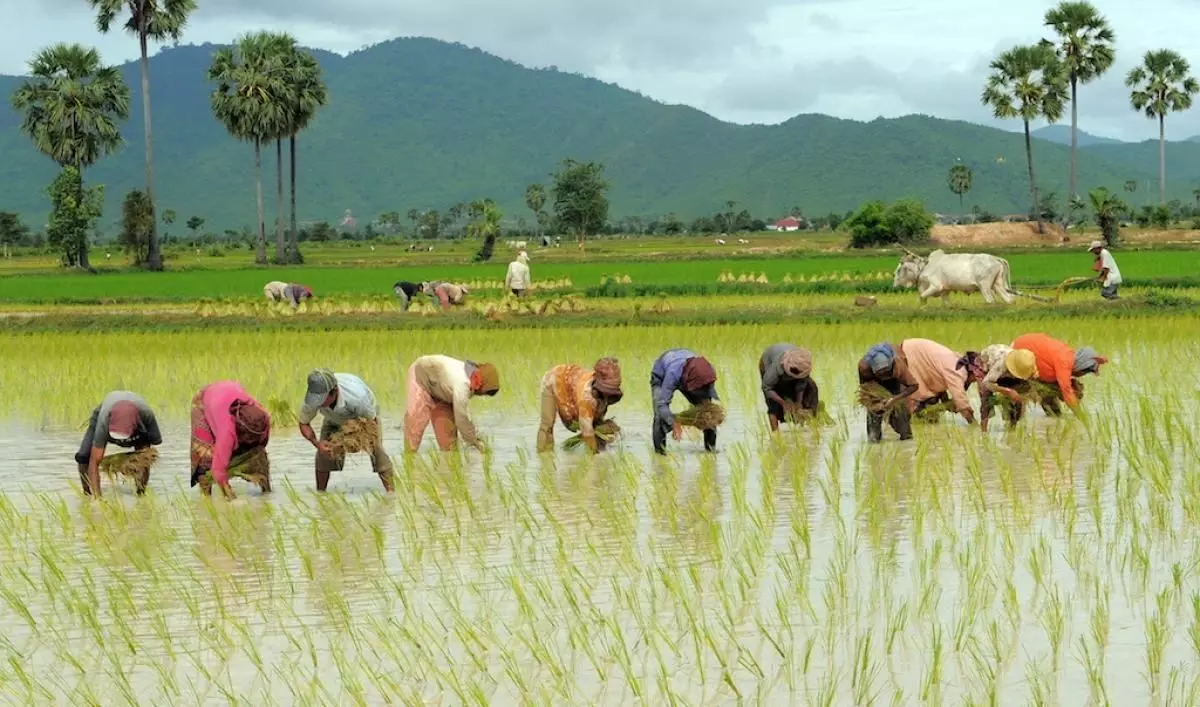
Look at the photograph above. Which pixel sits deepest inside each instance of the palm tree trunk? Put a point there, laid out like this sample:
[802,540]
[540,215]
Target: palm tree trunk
[260,253]
[296,257]
[1074,135]
[154,254]
[1162,160]
[280,249]
[1037,212]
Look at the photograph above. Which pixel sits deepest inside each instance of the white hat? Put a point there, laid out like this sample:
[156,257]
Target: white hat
[1095,245]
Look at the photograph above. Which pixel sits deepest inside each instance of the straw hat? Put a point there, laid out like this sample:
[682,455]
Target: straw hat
[1022,363]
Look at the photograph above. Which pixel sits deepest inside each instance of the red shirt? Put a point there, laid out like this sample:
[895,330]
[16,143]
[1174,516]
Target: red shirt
[1055,361]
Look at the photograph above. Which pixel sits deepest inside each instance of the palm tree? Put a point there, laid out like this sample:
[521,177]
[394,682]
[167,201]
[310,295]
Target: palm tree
[960,182]
[1108,208]
[159,20]
[249,100]
[1161,85]
[72,105]
[535,199]
[1027,82]
[1085,48]
[306,93]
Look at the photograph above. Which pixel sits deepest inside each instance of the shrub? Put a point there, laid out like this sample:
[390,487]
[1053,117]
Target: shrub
[904,221]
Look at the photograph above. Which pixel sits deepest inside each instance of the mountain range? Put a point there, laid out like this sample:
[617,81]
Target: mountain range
[420,123]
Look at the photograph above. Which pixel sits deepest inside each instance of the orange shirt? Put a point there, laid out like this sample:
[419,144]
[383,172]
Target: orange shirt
[572,388]
[1055,361]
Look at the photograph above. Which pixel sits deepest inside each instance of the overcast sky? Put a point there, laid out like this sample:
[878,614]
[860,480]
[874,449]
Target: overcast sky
[740,60]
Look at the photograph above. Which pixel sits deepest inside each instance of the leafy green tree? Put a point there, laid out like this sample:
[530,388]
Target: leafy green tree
[580,198]
[73,213]
[1161,84]
[250,100]
[158,20]
[194,224]
[1107,208]
[905,221]
[390,222]
[487,227]
[960,182]
[137,223]
[1084,43]
[1027,82]
[168,218]
[12,231]
[535,200]
[72,105]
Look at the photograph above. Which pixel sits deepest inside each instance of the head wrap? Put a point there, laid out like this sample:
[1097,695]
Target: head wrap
[974,365]
[606,376]
[1087,361]
[880,358]
[797,363]
[123,420]
[698,374]
[488,379]
[252,422]
[523,257]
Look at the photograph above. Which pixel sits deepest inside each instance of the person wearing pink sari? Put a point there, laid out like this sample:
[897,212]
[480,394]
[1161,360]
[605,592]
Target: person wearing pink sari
[226,423]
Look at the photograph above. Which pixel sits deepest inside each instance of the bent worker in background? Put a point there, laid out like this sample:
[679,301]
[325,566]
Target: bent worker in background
[440,389]
[339,398]
[445,293]
[578,397]
[1005,371]
[784,370]
[226,423]
[939,377]
[1058,365]
[405,292]
[124,419]
[294,294]
[274,290]
[886,364]
[686,372]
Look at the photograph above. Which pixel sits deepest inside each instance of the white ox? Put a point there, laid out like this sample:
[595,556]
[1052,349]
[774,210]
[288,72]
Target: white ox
[940,274]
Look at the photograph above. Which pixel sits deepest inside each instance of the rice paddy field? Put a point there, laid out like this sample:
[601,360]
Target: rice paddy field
[1053,564]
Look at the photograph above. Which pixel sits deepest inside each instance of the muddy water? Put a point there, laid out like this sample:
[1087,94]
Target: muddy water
[815,569]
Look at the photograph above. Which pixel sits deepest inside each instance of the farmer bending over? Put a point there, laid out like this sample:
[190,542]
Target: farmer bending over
[887,365]
[406,291]
[939,377]
[295,293]
[1005,371]
[445,293]
[274,290]
[340,398]
[1058,365]
[784,370]
[439,391]
[124,419]
[226,422]
[688,373]
[578,397]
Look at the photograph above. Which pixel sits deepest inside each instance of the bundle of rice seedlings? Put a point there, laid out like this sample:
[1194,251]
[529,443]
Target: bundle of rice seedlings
[819,417]
[708,415]
[253,467]
[131,464]
[874,398]
[281,412]
[933,413]
[355,436]
[606,432]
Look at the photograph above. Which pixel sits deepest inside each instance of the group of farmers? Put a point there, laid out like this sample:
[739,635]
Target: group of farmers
[517,280]
[227,423]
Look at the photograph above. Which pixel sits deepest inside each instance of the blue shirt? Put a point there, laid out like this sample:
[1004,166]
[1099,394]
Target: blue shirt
[665,378]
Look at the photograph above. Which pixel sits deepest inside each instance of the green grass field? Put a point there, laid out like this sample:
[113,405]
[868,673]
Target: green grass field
[1029,269]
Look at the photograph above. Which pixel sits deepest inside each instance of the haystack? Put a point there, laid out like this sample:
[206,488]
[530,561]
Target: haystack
[355,436]
[606,431]
[708,415]
[132,464]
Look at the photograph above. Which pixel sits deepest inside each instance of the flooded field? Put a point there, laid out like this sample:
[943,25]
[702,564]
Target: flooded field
[1054,564]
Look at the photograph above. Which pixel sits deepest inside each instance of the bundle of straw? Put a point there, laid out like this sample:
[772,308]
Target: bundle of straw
[355,436]
[606,431]
[132,464]
[819,417]
[708,415]
[252,467]
[874,397]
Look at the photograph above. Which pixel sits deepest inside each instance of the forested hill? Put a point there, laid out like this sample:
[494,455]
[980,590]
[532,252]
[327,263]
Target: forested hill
[418,123]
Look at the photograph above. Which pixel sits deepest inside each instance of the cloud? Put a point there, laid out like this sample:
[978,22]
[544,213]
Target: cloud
[741,60]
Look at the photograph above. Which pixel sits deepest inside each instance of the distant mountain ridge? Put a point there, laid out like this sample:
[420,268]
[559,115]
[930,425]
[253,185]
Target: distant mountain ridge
[419,123]
[1061,134]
